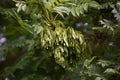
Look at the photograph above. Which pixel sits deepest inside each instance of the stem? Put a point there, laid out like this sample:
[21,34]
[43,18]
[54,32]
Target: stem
[45,11]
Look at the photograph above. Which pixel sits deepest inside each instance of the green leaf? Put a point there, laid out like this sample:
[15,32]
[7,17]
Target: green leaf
[111,71]
[73,11]
[60,10]
[94,4]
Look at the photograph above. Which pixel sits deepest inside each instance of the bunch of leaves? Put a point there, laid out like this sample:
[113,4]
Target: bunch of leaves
[48,47]
[104,68]
[82,6]
[63,46]
[116,11]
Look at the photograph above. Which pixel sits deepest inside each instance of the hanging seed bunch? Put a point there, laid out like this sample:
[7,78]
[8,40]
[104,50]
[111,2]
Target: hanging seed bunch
[66,45]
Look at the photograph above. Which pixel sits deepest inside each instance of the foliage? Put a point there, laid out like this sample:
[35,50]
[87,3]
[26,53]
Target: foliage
[52,39]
